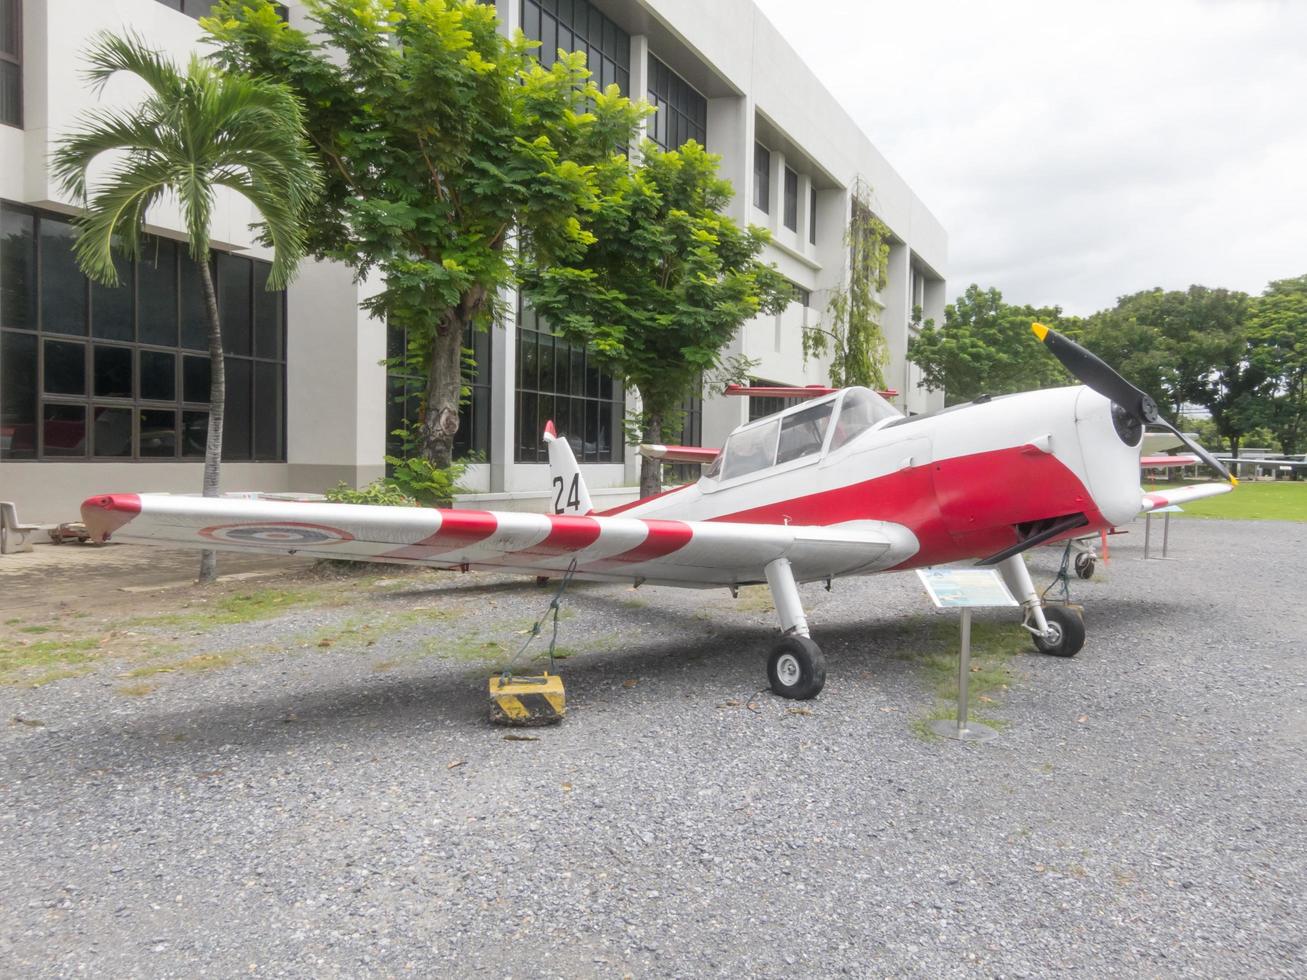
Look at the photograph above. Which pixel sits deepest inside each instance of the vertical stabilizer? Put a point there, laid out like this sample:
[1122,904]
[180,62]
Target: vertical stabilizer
[569,493]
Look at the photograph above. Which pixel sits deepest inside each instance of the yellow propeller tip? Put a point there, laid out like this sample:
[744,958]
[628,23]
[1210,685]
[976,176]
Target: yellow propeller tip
[1039,330]
[1234,481]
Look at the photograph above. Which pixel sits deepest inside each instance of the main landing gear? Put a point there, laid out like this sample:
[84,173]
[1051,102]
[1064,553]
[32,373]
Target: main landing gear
[1057,630]
[796,668]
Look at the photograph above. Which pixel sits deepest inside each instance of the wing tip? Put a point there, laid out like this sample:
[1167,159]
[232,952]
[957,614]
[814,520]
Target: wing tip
[104,513]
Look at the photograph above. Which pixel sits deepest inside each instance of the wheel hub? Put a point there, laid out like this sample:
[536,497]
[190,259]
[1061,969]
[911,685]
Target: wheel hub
[1053,635]
[787,669]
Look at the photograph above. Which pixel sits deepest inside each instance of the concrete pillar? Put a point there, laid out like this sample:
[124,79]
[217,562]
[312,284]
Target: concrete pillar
[509,13]
[894,317]
[503,391]
[639,69]
[335,380]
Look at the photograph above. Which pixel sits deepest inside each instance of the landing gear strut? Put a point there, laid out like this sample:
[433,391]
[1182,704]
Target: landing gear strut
[1057,630]
[796,668]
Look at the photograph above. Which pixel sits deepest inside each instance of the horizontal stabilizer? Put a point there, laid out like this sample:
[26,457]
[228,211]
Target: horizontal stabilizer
[679,454]
[1166,462]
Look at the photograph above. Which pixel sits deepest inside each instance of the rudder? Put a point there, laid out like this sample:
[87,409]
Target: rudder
[570,495]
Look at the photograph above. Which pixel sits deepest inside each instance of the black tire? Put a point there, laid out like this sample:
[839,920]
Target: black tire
[1070,629]
[796,668]
[1085,566]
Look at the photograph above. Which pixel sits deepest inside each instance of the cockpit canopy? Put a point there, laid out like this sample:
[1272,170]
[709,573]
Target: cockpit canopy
[800,432]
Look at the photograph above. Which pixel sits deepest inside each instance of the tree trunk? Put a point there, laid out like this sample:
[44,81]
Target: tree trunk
[651,470]
[217,407]
[445,380]
[1234,446]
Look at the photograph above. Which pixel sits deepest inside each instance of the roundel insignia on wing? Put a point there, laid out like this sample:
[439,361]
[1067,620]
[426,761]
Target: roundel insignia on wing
[286,534]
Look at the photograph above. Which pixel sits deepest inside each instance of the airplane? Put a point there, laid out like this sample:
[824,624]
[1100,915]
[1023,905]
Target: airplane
[839,485]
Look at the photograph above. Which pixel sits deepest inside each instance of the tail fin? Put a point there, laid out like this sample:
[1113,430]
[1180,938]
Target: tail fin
[570,494]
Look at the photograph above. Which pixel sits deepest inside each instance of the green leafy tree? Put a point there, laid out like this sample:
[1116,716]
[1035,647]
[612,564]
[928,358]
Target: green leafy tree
[852,333]
[1186,347]
[662,285]
[1277,332]
[446,149]
[195,130]
[985,347]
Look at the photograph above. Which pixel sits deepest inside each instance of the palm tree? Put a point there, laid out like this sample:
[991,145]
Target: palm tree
[195,131]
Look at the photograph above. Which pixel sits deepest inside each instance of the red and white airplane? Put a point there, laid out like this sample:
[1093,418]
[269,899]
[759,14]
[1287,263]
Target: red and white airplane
[842,484]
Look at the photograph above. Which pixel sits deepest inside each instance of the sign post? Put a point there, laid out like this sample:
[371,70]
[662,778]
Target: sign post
[965,589]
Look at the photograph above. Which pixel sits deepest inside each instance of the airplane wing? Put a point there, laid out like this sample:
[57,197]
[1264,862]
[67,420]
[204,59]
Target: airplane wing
[1158,499]
[682,553]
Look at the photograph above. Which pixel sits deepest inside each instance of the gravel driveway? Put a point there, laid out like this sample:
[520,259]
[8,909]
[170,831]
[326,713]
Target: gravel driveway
[342,808]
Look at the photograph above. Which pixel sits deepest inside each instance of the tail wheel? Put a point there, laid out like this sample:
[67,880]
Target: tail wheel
[796,668]
[1066,632]
[1085,566]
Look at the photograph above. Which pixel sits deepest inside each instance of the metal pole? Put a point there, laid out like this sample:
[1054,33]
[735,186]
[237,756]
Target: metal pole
[1166,532]
[1148,527]
[964,670]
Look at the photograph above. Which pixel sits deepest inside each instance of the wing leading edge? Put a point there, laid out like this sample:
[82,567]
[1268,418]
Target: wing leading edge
[682,553]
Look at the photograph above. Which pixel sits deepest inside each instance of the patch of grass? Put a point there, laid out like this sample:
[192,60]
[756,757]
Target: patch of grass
[35,629]
[754,599]
[50,676]
[191,665]
[949,712]
[19,658]
[1281,500]
[137,690]
[239,607]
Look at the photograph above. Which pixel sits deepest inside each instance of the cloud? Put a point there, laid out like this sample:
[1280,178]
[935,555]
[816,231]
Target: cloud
[1078,152]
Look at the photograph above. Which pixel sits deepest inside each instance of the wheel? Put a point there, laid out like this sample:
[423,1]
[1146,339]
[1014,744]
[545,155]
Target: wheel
[1068,629]
[1085,565]
[796,668]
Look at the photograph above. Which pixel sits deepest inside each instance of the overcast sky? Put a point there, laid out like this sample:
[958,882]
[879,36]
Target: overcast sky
[1079,151]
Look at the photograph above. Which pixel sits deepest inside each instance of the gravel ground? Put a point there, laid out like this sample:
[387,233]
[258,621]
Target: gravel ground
[345,809]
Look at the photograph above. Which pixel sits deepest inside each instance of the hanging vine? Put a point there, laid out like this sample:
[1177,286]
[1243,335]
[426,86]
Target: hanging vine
[853,336]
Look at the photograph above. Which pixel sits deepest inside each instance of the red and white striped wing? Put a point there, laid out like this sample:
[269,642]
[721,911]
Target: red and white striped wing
[1158,499]
[685,553]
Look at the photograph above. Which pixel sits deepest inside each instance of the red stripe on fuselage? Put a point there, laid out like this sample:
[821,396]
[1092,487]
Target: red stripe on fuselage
[964,507]
[458,529]
[664,537]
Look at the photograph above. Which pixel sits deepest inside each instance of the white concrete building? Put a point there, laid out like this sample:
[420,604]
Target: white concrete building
[104,390]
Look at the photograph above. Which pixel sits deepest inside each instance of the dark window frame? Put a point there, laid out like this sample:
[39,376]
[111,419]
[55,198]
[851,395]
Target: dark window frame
[90,342]
[761,178]
[599,397]
[195,9]
[791,205]
[578,25]
[14,58]
[404,398]
[682,110]
[812,216]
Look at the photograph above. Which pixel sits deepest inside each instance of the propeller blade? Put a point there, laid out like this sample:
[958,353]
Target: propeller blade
[1094,373]
[1199,451]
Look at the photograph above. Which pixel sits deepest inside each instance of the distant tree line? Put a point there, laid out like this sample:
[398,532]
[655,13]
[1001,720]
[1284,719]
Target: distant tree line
[1242,358]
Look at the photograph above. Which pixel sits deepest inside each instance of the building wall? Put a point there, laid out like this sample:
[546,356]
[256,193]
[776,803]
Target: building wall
[757,88]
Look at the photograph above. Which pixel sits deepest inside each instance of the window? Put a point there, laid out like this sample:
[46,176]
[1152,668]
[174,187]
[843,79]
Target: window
[812,216]
[691,435]
[682,112]
[560,381]
[803,432]
[577,25]
[11,62]
[404,395]
[122,372]
[859,411]
[791,200]
[761,178]
[802,296]
[750,450]
[203,8]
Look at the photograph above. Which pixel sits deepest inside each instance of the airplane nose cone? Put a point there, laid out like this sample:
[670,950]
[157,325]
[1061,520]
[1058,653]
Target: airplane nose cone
[107,512]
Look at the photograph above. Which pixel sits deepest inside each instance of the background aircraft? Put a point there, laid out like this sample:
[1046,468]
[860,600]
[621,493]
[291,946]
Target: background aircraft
[840,485]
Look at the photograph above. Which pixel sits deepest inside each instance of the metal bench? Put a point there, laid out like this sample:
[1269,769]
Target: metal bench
[14,537]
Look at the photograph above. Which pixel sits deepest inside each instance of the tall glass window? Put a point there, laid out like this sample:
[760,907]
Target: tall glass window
[578,25]
[791,200]
[762,178]
[559,381]
[812,216]
[11,62]
[404,396]
[682,112]
[89,371]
